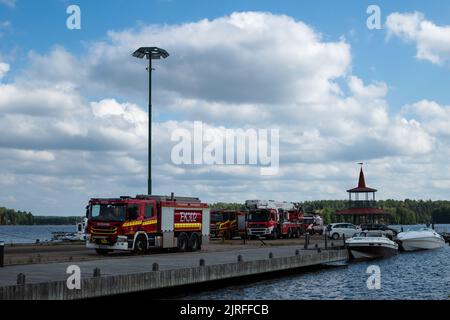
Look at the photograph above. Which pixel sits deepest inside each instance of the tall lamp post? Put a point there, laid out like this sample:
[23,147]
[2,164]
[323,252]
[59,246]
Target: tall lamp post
[150,53]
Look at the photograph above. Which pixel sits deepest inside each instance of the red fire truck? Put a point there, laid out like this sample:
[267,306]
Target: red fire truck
[273,219]
[227,223]
[145,222]
[313,224]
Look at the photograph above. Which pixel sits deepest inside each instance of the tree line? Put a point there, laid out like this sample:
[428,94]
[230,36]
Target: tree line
[402,211]
[13,217]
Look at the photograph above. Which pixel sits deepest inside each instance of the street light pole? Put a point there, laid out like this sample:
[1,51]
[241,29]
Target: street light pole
[150,53]
[149,182]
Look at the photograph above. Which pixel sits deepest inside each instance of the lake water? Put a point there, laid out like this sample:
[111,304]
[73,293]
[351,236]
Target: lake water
[29,234]
[423,275]
[415,275]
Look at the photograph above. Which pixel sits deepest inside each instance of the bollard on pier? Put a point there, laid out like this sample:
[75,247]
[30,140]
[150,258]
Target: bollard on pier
[21,279]
[97,273]
[155,267]
[306,240]
[202,262]
[2,254]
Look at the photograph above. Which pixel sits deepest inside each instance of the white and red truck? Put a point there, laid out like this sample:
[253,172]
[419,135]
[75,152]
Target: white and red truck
[273,219]
[313,224]
[145,222]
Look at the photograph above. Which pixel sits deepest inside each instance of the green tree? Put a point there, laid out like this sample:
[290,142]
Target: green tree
[441,215]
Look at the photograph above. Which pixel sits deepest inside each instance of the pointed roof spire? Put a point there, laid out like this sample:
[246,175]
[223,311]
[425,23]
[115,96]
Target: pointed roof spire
[362,183]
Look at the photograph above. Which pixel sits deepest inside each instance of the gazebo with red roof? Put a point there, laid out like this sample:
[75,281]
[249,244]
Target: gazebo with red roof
[363,210]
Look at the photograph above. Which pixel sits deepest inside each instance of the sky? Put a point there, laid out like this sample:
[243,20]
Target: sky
[73,102]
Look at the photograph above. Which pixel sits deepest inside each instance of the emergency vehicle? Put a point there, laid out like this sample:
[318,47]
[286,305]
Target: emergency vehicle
[145,222]
[273,219]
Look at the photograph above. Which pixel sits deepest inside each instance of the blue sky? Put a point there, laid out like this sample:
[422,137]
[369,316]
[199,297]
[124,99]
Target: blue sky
[39,25]
[73,102]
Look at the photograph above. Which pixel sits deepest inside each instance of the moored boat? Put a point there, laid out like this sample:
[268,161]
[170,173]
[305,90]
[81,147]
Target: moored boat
[371,245]
[78,235]
[421,239]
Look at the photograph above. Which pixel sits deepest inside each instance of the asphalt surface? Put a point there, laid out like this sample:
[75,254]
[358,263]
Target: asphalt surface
[68,252]
[46,272]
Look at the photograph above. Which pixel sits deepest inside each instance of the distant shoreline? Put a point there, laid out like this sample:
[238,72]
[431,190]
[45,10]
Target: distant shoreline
[402,212]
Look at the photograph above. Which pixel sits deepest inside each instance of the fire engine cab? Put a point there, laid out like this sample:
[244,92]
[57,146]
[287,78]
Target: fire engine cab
[273,219]
[145,222]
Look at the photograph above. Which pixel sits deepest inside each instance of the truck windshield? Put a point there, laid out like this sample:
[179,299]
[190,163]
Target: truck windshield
[259,216]
[108,212]
[308,220]
[216,217]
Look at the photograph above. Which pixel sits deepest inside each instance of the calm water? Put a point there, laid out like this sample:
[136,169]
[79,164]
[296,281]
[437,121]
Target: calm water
[409,276]
[416,275]
[29,234]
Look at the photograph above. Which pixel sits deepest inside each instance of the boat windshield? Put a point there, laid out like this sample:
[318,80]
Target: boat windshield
[375,234]
[369,234]
[418,228]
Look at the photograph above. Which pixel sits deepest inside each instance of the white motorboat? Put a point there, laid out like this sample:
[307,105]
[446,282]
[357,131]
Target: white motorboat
[371,245]
[421,239]
[78,235]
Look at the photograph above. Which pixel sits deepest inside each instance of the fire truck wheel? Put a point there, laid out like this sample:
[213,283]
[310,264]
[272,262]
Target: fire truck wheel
[290,234]
[274,234]
[182,242]
[194,242]
[140,246]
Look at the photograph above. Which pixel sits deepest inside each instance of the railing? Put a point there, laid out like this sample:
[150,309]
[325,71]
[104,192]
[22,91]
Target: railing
[362,204]
[442,228]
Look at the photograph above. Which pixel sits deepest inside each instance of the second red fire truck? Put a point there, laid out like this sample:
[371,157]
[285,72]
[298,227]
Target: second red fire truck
[273,219]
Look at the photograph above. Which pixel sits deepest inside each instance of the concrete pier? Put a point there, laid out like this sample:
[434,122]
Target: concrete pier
[139,273]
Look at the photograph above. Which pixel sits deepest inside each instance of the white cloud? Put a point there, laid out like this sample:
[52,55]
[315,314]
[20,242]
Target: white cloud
[31,155]
[371,92]
[435,118]
[432,41]
[75,126]
[5,27]
[9,3]
[216,60]
[4,69]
